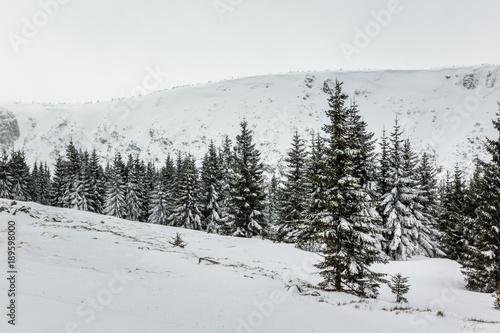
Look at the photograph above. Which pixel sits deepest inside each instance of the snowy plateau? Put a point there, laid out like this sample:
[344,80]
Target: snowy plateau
[447,112]
[141,283]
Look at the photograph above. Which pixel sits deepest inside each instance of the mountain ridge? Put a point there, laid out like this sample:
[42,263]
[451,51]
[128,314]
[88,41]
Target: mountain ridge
[446,111]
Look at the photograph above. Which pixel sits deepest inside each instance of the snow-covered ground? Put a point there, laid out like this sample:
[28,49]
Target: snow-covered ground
[83,272]
[446,111]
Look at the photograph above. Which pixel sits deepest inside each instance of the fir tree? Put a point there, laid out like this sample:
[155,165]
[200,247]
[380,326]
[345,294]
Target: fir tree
[399,286]
[226,162]
[247,193]
[58,185]
[71,174]
[97,184]
[5,177]
[292,203]
[44,184]
[158,205]
[211,186]
[481,263]
[496,296]
[272,206]
[452,216]
[81,195]
[383,180]
[408,230]
[20,176]
[346,216]
[187,210]
[135,196]
[307,228]
[115,189]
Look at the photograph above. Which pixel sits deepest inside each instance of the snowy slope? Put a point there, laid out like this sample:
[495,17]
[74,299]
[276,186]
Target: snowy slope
[446,110]
[138,282]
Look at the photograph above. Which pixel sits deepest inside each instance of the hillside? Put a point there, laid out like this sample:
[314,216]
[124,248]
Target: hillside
[141,283]
[447,111]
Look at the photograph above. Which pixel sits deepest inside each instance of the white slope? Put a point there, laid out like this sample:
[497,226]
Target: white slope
[82,272]
[447,111]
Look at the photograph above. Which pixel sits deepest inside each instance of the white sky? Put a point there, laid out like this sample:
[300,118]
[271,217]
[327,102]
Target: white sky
[99,49]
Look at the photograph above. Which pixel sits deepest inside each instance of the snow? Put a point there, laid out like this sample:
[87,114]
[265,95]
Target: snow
[144,284]
[433,106]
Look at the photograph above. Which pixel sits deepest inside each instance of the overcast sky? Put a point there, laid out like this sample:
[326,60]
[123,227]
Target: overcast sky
[88,50]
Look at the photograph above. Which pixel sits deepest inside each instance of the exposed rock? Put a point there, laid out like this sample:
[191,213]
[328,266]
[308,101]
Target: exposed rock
[9,129]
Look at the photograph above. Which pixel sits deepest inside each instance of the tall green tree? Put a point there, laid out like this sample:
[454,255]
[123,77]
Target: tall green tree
[247,190]
[345,217]
[481,262]
[294,191]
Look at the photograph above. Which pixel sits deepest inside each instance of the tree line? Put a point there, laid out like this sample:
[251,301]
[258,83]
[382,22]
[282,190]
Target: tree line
[335,195]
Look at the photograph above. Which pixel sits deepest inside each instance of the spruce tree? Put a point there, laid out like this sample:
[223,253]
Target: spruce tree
[307,228]
[115,189]
[496,296]
[71,174]
[345,216]
[211,187]
[20,176]
[452,216]
[383,180]
[408,230]
[226,162]
[292,203]
[44,184]
[481,262]
[399,286]
[58,185]
[247,192]
[97,183]
[81,195]
[187,209]
[273,196]
[5,177]
[158,204]
[134,191]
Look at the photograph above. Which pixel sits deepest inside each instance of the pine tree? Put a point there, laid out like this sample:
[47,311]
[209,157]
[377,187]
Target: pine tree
[292,203]
[5,177]
[158,205]
[211,186]
[44,184]
[481,263]
[97,184]
[187,210]
[115,189]
[58,185]
[20,176]
[452,216]
[273,196]
[71,174]
[364,163]
[247,193]
[346,216]
[135,196]
[34,184]
[80,196]
[307,228]
[399,287]
[226,162]
[383,180]
[168,178]
[496,296]
[408,230]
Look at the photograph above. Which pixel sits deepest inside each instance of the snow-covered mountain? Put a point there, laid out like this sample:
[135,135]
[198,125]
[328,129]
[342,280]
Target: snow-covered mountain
[447,111]
[83,272]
